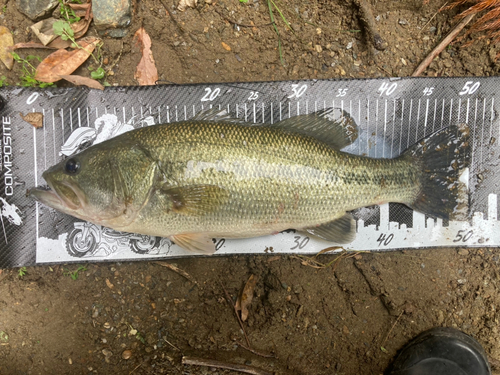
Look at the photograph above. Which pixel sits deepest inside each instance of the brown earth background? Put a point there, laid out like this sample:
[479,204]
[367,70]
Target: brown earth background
[348,318]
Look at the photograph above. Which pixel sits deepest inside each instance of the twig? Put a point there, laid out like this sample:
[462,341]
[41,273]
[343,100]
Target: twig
[255,351]
[435,14]
[239,24]
[371,27]
[441,46]
[394,325]
[178,270]
[228,298]
[229,366]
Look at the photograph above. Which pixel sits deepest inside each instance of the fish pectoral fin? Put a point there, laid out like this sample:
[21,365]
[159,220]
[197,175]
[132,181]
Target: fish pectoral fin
[341,231]
[196,199]
[197,242]
[331,125]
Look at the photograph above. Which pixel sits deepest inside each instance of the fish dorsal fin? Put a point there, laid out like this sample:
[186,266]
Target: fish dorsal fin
[197,242]
[217,115]
[195,199]
[331,125]
[341,231]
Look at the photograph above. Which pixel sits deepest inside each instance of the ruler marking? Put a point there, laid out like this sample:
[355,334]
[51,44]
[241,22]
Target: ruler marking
[376,127]
[409,123]
[342,106]
[54,135]
[484,119]
[71,119]
[451,111]
[393,126]
[124,115]
[434,119]
[402,121]
[185,113]
[367,127]
[442,114]
[44,138]
[280,111]
[289,109]
[385,128]
[426,117]
[459,110]
[35,154]
[88,118]
[418,122]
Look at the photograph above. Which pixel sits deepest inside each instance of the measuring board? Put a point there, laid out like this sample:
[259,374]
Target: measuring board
[392,114]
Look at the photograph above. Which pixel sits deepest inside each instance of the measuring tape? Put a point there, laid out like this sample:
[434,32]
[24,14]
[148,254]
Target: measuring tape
[392,114]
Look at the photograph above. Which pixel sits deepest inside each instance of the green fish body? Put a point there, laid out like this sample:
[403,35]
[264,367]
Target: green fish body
[212,177]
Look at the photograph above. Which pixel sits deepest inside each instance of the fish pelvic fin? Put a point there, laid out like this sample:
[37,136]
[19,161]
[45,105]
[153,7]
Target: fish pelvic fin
[340,231]
[196,242]
[443,157]
[331,126]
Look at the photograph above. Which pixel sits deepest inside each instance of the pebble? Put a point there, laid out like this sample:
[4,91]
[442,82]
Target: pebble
[318,48]
[463,252]
[107,325]
[127,354]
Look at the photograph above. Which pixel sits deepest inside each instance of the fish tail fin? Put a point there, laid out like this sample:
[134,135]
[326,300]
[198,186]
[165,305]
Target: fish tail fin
[443,157]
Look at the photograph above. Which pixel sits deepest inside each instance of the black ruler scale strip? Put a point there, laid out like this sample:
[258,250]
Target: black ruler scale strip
[392,114]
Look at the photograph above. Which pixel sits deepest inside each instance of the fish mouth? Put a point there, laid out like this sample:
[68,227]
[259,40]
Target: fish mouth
[61,196]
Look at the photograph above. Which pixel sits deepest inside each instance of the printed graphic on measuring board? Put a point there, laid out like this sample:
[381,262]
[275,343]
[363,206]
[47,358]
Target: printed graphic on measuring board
[391,116]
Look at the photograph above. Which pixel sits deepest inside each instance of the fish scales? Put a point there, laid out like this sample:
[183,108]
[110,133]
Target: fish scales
[275,179]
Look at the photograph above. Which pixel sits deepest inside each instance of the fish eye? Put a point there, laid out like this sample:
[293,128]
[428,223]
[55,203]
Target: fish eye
[72,166]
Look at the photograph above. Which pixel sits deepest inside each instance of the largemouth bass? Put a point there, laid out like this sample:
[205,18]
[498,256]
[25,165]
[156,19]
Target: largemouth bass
[213,176]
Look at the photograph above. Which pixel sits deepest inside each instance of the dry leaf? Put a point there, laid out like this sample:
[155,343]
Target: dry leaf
[58,43]
[29,45]
[44,30]
[83,81]
[33,118]
[108,283]
[184,4]
[226,46]
[6,42]
[64,62]
[146,72]
[246,297]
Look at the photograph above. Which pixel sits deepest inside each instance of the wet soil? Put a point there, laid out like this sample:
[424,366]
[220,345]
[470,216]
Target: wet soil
[348,318]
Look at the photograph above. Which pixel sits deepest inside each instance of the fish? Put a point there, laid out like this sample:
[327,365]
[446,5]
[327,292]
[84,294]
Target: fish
[214,176]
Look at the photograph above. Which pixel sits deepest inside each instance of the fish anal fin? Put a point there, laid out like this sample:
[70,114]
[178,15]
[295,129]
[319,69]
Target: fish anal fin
[331,125]
[341,230]
[195,199]
[196,242]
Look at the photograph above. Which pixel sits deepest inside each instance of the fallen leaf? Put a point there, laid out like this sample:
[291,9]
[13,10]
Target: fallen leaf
[184,4]
[108,283]
[81,27]
[44,30]
[33,118]
[83,81]
[246,297]
[146,72]
[29,45]
[63,62]
[6,42]
[226,47]
[59,43]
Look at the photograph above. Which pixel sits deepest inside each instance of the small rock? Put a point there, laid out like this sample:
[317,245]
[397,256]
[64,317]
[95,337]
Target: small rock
[70,361]
[107,325]
[463,252]
[127,354]
[349,45]
[36,9]
[226,46]
[107,352]
[403,22]
[318,48]
[112,17]
[461,281]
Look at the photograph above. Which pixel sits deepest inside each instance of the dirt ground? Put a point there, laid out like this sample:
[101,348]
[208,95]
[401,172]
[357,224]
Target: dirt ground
[348,318]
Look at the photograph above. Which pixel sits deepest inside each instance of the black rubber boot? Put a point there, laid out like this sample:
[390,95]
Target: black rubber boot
[441,351]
